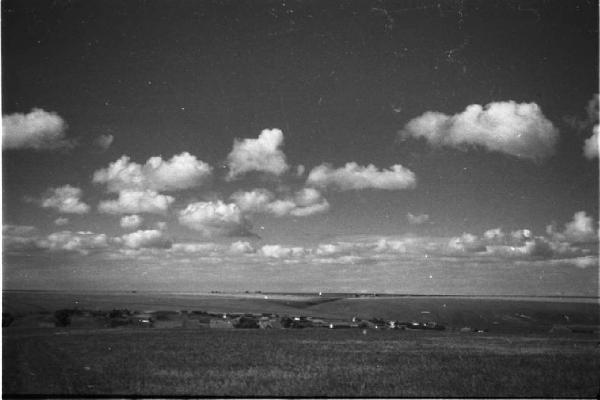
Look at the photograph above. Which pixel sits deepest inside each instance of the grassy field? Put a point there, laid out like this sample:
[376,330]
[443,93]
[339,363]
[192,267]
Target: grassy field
[311,362]
[520,356]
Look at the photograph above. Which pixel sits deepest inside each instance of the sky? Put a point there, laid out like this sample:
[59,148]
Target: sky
[419,147]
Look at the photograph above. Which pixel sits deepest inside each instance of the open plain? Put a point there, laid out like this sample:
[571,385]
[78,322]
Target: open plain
[513,348]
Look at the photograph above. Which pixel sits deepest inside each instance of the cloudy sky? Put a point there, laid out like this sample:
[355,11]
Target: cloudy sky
[390,146]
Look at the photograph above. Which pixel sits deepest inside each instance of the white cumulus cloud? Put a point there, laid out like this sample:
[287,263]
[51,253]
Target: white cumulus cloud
[17,238]
[261,154]
[334,249]
[18,230]
[417,219]
[523,244]
[580,229]
[134,202]
[581,262]
[305,202]
[241,247]
[254,201]
[309,201]
[66,199]
[215,218]
[355,177]
[131,221]
[81,242]
[493,234]
[279,251]
[467,242]
[61,221]
[38,129]
[182,171]
[518,129]
[521,235]
[151,238]
[195,248]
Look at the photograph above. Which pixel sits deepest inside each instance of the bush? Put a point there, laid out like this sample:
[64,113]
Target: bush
[247,323]
[63,317]
[7,319]
[118,313]
[286,322]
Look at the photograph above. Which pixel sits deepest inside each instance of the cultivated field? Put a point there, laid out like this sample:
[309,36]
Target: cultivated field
[311,362]
[521,355]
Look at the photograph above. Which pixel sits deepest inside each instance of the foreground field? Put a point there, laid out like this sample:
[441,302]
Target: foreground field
[311,362]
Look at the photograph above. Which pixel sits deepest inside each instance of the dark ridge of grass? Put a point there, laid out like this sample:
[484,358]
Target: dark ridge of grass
[292,363]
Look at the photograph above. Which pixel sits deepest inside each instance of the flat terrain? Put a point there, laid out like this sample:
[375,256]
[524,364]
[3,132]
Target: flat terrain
[496,314]
[309,362]
[527,351]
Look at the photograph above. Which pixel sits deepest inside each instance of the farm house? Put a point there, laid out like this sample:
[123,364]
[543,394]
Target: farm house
[142,320]
[342,325]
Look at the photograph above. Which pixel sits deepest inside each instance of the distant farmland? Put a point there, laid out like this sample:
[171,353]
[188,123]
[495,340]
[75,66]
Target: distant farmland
[526,315]
[518,354]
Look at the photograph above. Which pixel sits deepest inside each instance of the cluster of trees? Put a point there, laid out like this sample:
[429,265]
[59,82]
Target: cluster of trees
[63,316]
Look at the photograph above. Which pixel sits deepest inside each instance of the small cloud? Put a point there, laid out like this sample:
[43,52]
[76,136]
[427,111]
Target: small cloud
[517,129]
[587,124]
[151,238]
[135,202]
[521,235]
[215,218]
[467,243]
[590,147]
[182,171]
[305,202]
[493,235]
[581,262]
[309,201]
[38,130]
[80,242]
[385,245]
[583,125]
[240,247]
[161,225]
[580,229]
[335,249]
[18,230]
[131,221]
[254,201]
[417,219]
[17,238]
[66,199]
[278,251]
[61,221]
[103,141]
[261,155]
[522,244]
[195,248]
[355,177]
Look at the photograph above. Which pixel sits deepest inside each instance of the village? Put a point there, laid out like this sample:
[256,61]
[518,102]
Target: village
[124,318]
